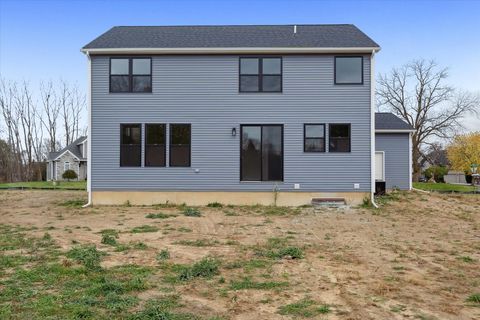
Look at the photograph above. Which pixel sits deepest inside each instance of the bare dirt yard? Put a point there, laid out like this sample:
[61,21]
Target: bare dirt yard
[417,257]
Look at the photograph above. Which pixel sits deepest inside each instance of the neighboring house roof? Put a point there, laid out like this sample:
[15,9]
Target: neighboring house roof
[234,36]
[72,147]
[386,121]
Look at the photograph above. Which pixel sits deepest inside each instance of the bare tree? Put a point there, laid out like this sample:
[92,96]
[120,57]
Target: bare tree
[417,93]
[71,104]
[50,114]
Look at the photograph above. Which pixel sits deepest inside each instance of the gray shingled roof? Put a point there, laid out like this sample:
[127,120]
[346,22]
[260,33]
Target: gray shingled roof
[72,147]
[389,121]
[240,36]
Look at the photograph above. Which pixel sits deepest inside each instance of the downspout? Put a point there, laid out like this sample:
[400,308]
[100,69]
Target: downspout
[372,128]
[89,135]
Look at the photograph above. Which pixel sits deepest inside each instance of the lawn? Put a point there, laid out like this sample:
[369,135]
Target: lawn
[416,257]
[68,185]
[442,187]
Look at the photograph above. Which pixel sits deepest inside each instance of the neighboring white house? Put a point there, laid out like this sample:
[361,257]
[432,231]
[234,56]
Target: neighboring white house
[72,157]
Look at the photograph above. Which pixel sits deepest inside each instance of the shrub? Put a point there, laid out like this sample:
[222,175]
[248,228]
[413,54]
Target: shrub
[437,172]
[468,177]
[192,212]
[69,175]
[88,255]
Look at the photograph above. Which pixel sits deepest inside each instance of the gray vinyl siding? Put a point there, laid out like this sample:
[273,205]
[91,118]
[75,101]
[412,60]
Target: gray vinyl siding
[395,146]
[203,91]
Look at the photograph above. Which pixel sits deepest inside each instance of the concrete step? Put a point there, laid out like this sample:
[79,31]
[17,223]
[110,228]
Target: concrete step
[328,202]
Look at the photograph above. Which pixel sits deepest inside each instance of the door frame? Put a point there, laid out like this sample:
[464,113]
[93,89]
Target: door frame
[261,149]
[383,165]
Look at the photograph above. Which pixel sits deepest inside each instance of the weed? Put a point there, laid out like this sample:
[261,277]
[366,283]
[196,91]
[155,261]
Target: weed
[467,259]
[163,255]
[88,255]
[144,228]
[215,205]
[76,203]
[248,283]
[183,229]
[192,212]
[110,232]
[475,298]
[108,239]
[205,268]
[197,243]
[159,215]
[304,308]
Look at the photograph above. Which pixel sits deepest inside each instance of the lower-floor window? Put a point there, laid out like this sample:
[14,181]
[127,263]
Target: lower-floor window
[180,145]
[339,138]
[130,145]
[261,156]
[66,166]
[155,145]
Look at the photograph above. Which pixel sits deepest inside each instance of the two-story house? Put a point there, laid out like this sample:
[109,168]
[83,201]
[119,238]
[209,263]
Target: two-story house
[235,114]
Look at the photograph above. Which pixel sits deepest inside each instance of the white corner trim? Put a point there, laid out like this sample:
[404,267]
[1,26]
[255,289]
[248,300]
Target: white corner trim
[394,130]
[60,155]
[89,136]
[236,50]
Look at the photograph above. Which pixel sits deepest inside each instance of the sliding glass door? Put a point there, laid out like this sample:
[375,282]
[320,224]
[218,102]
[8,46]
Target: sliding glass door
[261,156]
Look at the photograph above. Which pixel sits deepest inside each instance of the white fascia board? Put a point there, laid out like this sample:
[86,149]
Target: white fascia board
[255,50]
[60,155]
[394,130]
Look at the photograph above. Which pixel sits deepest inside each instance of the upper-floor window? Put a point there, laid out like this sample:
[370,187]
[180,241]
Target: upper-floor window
[261,74]
[348,70]
[130,75]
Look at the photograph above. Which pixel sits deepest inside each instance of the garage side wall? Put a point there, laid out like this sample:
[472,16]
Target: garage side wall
[396,148]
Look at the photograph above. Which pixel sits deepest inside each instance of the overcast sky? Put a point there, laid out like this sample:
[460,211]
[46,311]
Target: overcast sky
[41,39]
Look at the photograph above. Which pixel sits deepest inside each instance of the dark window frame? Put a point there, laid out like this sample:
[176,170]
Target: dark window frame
[349,136]
[164,147]
[259,74]
[170,146]
[335,71]
[324,137]
[130,74]
[261,151]
[121,143]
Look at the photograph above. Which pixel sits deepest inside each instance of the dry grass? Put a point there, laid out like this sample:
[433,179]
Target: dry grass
[417,257]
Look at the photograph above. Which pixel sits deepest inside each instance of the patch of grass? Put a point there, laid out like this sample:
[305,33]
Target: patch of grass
[87,255]
[466,259]
[197,243]
[163,255]
[205,268]
[474,298]
[248,283]
[215,205]
[110,232]
[108,239]
[278,248]
[76,203]
[442,187]
[69,185]
[162,309]
[304,308]
[144,228]
[192,212]
[183,229]
[159,215]
[249,265]
[279,211]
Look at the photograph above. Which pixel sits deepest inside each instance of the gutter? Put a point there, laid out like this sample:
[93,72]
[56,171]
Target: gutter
[237,50]
[89,137]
